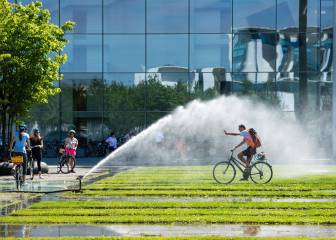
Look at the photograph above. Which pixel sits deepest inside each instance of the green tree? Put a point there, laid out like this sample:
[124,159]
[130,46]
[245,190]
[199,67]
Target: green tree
[30,59]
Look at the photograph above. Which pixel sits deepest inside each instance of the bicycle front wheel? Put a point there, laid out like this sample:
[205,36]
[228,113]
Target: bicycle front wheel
[64,166]
[224,172]
[261,172]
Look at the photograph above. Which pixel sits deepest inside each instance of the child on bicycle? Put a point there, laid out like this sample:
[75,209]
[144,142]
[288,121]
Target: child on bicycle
[71,144]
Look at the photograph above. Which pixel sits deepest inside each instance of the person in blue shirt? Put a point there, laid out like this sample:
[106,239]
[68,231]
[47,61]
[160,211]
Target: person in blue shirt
[112,142]
[20,142]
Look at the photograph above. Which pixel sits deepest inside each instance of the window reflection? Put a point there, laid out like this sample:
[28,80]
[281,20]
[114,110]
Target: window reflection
[167,90]
[290,9]
[254,14]
[326,14]
[82,92]
[124,91]
[124,16]
[167,50]
[326,50]
[209,51]
[211,16]
[124,53]
[86,13]
[254,52]
[167,16]
[84,53]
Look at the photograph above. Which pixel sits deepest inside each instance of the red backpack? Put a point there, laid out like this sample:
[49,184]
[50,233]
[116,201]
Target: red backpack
[255,137]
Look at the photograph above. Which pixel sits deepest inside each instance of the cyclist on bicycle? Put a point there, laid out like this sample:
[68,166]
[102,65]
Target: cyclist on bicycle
[21,143]
[71,144]
[249,151]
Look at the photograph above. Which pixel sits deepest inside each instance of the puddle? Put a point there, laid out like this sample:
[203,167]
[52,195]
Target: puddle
[162,230]
[22,202]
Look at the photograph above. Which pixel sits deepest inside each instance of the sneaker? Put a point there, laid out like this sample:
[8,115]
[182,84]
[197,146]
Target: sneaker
[243,179]
[72,171]
[41,177]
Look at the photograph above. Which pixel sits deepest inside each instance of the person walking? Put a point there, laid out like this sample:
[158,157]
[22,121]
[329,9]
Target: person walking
[36,143]
[112,142]
[19,144]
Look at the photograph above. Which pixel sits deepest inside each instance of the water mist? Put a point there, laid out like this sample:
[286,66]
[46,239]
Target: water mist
[193,135]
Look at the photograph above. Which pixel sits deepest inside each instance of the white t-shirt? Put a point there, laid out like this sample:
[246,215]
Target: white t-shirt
[71,143]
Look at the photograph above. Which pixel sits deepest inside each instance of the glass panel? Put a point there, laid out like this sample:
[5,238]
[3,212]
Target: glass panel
[52,105]
[82,92]
[48,124]
[327,7]
[290,9]
[124,16]
[254,52]
[208,85]
[211,16]
[210,51]
[88,127]
[287,90]
[124,53]
[259,14]
[167,16]
[124,91]
[313,52]
[166,91]
[86,13]
[167,50]
[84,53]
[124,124]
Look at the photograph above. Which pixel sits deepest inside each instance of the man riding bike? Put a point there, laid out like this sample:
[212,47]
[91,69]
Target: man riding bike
[251,139]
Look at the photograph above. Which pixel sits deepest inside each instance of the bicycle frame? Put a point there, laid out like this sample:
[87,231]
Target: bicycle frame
[237,163]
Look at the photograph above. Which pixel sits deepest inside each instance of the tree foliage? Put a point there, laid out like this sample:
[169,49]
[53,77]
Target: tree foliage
[30,58]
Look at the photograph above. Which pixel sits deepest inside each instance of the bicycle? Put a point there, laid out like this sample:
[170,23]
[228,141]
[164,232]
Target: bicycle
[63,165]
[260,171]
[17,160]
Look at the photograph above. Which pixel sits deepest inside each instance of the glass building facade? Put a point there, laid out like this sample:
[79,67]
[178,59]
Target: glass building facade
[130,62]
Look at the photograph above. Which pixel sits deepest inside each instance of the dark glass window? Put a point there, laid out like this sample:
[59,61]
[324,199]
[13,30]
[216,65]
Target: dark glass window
[254,14]
[290,9]
[167,16]
[84,53]
[124,16]
[86,13]
[124,91]
[254,52]
[167,50]
[210,16]
[209,51]
[124,53]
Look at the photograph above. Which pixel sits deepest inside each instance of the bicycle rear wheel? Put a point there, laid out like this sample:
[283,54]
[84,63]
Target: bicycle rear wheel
[224,172]
[261,172]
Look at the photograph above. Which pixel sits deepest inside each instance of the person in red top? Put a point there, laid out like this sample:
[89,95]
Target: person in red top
[250,141]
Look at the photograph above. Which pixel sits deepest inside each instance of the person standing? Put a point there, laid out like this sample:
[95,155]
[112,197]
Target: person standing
[36,143]
[112,142]
[20,142]
[71,144]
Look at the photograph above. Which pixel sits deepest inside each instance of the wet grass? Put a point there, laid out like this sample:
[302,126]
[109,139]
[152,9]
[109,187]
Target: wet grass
[198,182]
[176,182]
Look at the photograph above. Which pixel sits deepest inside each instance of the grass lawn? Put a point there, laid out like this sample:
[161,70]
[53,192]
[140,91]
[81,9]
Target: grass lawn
[202,201]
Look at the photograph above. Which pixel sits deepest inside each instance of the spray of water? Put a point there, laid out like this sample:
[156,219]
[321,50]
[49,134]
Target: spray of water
[193,135]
